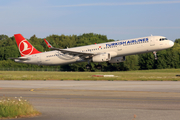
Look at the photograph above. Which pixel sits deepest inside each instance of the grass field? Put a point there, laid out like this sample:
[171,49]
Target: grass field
[15,108]
[143,75]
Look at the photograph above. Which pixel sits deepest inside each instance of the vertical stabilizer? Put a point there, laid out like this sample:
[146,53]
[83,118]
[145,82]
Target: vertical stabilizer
[25,48]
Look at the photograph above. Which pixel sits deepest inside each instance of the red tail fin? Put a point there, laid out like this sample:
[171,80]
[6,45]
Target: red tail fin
[25,48]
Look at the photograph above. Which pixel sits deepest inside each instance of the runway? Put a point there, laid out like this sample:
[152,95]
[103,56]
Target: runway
[98,100]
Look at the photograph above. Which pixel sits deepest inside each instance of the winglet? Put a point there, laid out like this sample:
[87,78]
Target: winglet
[48,44]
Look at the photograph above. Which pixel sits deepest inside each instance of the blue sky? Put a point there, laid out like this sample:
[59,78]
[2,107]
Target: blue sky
[118,19]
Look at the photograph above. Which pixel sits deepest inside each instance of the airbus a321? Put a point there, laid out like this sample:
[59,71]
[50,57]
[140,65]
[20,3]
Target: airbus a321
[112,52]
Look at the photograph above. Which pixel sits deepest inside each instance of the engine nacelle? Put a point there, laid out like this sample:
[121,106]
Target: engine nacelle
[102,57]
[117,59]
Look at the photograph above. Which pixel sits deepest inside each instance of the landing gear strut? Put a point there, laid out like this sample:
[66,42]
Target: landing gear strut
[155,55]
[88,66]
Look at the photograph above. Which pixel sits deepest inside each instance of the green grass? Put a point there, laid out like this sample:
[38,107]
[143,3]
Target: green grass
[15,108]
[143,75]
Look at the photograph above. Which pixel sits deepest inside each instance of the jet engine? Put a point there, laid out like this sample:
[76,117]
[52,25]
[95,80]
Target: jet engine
[102,57]
[117,59]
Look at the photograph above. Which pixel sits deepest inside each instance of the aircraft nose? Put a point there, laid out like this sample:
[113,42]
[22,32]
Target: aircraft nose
[171,43]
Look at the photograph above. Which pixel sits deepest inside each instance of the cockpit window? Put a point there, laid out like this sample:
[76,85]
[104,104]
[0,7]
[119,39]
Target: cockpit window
[162,39]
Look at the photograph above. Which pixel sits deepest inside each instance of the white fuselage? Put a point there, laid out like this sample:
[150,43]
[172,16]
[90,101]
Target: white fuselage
[115,48]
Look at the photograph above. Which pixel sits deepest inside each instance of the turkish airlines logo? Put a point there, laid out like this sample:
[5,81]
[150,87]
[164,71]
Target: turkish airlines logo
[25,48]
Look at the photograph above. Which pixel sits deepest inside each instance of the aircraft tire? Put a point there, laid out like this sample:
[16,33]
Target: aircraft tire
[88,67]
[99,67]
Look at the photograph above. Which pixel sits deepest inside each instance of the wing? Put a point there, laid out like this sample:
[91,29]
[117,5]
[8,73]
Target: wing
[71,52]
[75,53]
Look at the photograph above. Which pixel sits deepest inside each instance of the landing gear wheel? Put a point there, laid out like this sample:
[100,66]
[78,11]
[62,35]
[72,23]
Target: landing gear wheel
[99,67]
[88,67]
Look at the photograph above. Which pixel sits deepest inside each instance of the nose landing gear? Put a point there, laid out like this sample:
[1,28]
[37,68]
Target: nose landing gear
[88,66]
[155,55]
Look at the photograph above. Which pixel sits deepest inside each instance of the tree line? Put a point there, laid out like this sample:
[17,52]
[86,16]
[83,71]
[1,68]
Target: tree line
[169,58]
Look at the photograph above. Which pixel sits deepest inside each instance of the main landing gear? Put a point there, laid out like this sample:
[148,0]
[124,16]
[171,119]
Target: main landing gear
[155,55]
[88,66]
[99,67]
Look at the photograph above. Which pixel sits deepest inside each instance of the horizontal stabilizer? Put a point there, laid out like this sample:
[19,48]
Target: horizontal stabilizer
[20,58]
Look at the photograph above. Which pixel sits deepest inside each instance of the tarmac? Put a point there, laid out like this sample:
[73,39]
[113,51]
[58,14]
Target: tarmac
[98,100]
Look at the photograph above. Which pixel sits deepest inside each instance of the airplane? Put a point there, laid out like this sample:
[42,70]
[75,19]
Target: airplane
[112,52]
